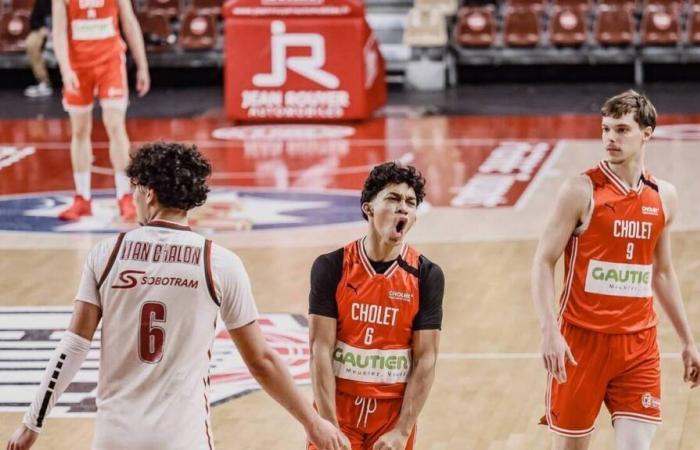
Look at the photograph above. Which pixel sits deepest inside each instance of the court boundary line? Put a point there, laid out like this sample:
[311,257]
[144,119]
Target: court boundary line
[513,355]
[214,143]
[534,184]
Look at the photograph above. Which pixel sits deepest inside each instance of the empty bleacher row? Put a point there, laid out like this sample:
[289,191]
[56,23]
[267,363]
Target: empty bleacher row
[487,32]
[171,28]
[531,23]
[473,32]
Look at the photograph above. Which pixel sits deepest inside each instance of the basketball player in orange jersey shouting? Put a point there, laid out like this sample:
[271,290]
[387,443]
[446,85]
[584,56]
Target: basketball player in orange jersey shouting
[376,313]
[158,291]
[90,54]
[612,224]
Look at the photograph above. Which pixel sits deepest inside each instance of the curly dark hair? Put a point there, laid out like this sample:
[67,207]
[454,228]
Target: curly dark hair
[176,172]
[392,172]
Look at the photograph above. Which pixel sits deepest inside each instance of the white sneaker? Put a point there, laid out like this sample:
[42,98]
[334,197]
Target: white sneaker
[39,90]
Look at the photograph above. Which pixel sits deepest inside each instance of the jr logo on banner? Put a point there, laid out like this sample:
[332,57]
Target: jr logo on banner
[307,66]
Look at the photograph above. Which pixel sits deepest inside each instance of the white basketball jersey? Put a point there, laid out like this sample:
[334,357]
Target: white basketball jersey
[160,288]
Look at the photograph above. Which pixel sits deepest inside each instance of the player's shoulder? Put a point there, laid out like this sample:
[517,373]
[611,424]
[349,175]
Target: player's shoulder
[333,259]
[666,188]
[576,191]
[577,185]
[429,269]
[108,243]
[104,248]
[669,197]
[221,255]
[424,261]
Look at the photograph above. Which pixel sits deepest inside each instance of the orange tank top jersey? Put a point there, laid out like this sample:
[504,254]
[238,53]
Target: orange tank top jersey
[608,267]
[372,355]
[93,32]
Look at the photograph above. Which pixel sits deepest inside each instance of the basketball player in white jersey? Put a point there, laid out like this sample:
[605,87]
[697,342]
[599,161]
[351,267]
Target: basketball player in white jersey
[157,290]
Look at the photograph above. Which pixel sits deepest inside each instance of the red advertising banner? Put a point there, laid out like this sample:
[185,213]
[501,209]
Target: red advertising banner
[301,60]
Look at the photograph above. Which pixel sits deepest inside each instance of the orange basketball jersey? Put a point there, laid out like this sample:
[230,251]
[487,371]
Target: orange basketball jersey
[372,355]
[93,32]
[608,266]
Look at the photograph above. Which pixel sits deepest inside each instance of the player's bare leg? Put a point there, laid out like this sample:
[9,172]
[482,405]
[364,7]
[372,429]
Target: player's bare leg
[114,120]
[570,443]
[633,434]
[81,160]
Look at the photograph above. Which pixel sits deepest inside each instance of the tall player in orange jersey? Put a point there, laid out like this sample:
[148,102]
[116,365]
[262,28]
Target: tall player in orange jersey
[376,312]
[90,54]
[612,223]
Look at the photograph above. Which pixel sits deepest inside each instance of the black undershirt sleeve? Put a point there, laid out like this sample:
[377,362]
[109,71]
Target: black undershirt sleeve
[326,273]
[432,289]
[39,15]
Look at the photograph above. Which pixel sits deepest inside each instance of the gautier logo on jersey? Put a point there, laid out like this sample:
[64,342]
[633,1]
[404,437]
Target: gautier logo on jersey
[371,365]
[289,103]
[226,210]
[619,279]
[36,332]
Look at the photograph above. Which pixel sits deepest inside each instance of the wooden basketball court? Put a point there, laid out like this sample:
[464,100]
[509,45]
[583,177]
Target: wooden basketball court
[491,183]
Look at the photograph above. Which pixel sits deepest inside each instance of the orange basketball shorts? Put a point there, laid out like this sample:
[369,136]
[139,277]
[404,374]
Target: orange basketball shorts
[107,81]
[622,370]
[364,420]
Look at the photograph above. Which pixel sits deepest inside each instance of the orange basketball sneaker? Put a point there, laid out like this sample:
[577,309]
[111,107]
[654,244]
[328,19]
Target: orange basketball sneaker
[79,208]
[126,208]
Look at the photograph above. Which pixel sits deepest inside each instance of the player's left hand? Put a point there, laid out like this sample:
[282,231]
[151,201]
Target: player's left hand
[143,81]
[392,440]
[22,439]
[691,364]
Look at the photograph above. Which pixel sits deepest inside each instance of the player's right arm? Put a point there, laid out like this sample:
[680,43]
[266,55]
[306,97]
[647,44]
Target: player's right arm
[570,209]
[240,315]
[68,356]
[60,44]
[270,371]
[65,363]
[326,273]
[322,342]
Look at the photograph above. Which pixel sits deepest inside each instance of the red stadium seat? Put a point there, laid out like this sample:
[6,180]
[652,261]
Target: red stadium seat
[583,6]
[614,25]
[675,5]
[537,5]
[21,5]
[168,7]
[694,26]
[660,26]
[522,27]
[630,5]
[207,6]
[197,31]
[425,28]
[476,26]
[14,28]
[568,27]
[156,31]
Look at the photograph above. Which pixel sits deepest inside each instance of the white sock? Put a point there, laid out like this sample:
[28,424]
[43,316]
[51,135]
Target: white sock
[122,183]
[82,184]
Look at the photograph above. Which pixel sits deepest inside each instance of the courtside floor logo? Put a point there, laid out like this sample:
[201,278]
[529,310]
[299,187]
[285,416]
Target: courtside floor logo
[28,337]
[226,210]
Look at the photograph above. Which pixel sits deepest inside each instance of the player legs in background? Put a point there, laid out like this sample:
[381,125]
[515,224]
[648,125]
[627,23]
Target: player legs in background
[81,160]
[114,119]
